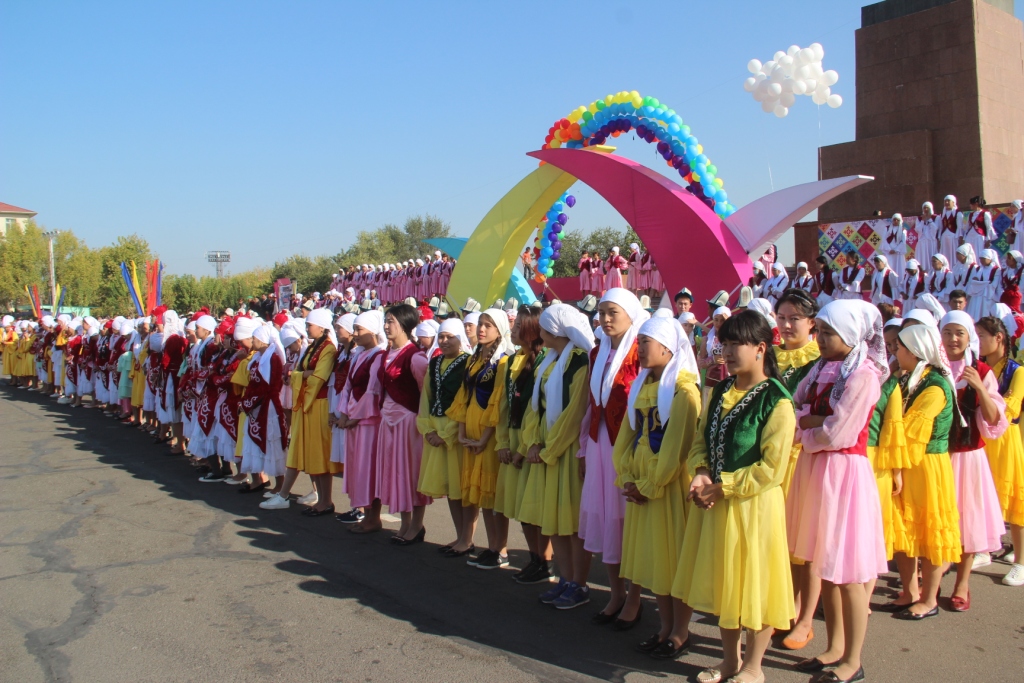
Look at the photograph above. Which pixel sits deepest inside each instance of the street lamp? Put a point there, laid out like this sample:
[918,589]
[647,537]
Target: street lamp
[50,236]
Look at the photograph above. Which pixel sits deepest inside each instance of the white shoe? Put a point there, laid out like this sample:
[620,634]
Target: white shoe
[269,494]
[981,560]
[275,503]
[310,498]
[54,395]
[1014,577]
[63,401]
[1010,558]
[230,481]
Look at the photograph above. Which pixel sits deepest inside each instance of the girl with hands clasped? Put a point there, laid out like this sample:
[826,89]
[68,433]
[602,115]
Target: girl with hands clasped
[662,411]
[734,560]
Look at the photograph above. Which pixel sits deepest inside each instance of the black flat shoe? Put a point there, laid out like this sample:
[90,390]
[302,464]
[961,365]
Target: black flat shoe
[649,644]
[623,625]
[892,607]
[451,552]
[445,548]
[313,512]
[602,619]
[907,615]
[667,650]
[418,538]
[249,488]
[830,677]
[812,665]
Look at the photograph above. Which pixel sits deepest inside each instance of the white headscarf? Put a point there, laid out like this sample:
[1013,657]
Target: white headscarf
[346,322]
[268,334]
[471,318]
[560,320]
[912,264]
[94,325]
[670,334]
[322,317]
[126,328]
[172,324]
[455,327]
[965,321]
[942,259]
[244,328]
[207,322]
[764,307]
[966,250]
[1004,313]
[859,325]
[923,316]
[924,342]
[373,321]
[929,303]
[500,320]
[991,254]
[601,382]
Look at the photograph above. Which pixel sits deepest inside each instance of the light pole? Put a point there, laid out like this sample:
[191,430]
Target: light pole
[220,258]
[53,282]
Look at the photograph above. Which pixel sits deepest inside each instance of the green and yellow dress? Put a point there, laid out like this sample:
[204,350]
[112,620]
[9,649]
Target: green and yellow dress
[441,467]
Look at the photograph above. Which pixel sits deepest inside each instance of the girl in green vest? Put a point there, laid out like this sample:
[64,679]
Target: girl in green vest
[734,561]
[441,467]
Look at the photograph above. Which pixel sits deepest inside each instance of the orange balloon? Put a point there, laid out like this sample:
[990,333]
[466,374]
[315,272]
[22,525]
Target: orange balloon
[615,133]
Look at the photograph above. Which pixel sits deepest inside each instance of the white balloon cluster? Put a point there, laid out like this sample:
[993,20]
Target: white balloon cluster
[797,71]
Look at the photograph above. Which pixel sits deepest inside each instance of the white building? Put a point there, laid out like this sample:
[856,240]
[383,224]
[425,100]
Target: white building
[11,216]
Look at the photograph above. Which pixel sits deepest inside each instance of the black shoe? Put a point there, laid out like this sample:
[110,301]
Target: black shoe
[892,607]
[649,645]
[353,516]
[313,512]
[623,625]
[482,557]
[907,615]
[452,552]
[212,476]
[493,561]
[666,650]
[418,538]
[542,574]
[528,569]
[602,619]
[830,677]
[812,665]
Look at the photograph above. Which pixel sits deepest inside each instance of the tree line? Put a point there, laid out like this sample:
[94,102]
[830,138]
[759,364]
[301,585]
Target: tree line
[92,276]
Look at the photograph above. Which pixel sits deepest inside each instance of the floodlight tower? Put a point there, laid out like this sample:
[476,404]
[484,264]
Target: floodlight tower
[220,258]
[50,236]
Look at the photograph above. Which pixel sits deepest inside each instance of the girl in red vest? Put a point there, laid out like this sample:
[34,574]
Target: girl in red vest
[584,268]
[360,418]
[984,411]
[614,364]
[400,372]
[833,513]
[264,443]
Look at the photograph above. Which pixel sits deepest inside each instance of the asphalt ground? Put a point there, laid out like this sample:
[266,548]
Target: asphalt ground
[116,564]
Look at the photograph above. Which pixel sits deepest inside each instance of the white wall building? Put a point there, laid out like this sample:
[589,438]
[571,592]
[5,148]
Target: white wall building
[11,216]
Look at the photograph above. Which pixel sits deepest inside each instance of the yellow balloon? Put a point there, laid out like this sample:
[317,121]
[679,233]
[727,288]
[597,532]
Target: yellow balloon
[609,100]
[555,143]
[633,94]
[718,182]
[696,177]
[638,102]
[700,149]
[592,108]
[573,116]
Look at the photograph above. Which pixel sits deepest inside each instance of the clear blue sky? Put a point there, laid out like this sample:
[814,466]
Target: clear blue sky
[270,128]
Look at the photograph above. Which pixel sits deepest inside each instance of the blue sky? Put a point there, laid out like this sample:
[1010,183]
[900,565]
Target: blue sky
[270,128]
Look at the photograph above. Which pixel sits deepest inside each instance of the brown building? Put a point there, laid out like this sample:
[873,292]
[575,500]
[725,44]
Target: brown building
[940,108]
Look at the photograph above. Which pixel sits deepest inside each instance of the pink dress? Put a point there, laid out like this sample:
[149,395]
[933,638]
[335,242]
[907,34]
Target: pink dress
[361,440]
[584,268]
[981,518]
[613,278]
[596,277]
[833,513]
[399,444]
[634,276]
[602,505]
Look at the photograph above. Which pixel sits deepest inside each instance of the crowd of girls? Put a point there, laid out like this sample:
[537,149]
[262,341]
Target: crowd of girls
[785,464]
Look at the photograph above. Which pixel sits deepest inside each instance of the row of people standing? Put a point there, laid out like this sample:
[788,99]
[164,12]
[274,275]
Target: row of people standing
[636,272]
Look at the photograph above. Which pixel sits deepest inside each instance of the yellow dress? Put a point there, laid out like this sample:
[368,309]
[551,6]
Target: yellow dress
[8,349]
[551,490]
[507,485]
[653,532]
[926,520]
[139,376]
[240,380]
[26,361]
[310,446]
[735,558]
[1006,454]
[441,467]
[890,454]
[790,362]
[479,470]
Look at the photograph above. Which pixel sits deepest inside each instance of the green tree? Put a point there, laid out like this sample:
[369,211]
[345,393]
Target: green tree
[390,244]
[23,261]
[111,296]
[76,268]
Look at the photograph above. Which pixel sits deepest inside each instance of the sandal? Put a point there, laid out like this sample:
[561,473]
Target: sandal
[710,676]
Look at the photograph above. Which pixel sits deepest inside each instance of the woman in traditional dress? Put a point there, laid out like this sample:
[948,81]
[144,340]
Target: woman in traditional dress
[613,266]
[734,562]
[265,440]
[663,407]
[939,283]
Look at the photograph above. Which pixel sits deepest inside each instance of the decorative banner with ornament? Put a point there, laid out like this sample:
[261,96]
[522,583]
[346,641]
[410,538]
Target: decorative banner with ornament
[836,239]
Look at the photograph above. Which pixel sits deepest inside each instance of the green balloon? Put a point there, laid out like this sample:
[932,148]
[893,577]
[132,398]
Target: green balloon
[712,169]
[587,116]
[561,234]
[599,104]
[655,103]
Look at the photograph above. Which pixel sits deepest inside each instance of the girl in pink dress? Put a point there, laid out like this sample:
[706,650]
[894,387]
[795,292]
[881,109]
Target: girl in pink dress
[984,411]
[584,268]
[360,418]
[613,269]
[399,372]
[833,513]
[633,274]
[657,284]
[614,364]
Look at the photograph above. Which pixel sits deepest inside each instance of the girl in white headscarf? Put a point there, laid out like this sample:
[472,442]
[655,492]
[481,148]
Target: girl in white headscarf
[344,327]
[927,302]
[613,266]
[894,245]
[1009,293]
[265,438]
[925,513]
[983,285]
[441,467]
[939,283]
[950,220]
[984,412]
[778,283]
[885,282]
[124,371]
[709,357]
[662,408]
[912,285]
[475,410]
[614,364]
[1006,453]
[965,267]
[928,228]
[633,275]
[167,403]
[550,439]
[833,512]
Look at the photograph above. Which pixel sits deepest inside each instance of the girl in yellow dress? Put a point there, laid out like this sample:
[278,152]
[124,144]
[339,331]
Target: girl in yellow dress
[441,467]
[513,468]
[734,561]
[1006,454]
[926,521]
[794,313]
[7,341]
[475,409]
[550,439]
[650,467]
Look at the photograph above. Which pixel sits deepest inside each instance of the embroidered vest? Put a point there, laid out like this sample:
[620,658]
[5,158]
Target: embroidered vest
[878,414]
[577,362]
[480,385]
[978,222]
[968,438]
[518,391]
[445,385]
[397,380]
[615,412]
[1004,381]
[949,222]
[360,377]
[821,404]
[652,426]
[733,439]
[943,423]
[826,284]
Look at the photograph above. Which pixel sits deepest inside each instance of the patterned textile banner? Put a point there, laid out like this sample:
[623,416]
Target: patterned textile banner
[836,239]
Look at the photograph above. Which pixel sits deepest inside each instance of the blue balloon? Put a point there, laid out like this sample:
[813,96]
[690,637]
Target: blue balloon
[557,207]
[545,242]
[702,159]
